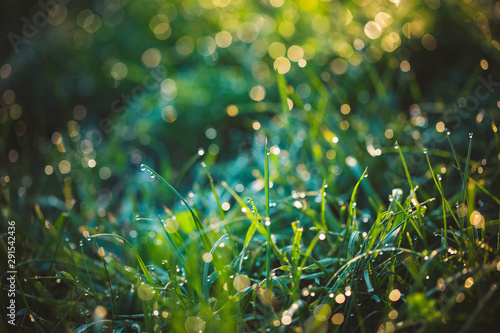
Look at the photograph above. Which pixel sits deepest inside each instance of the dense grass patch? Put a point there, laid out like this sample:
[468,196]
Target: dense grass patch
[274,166]
[284,238]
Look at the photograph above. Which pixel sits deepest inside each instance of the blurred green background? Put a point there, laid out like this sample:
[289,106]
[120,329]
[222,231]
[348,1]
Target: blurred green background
[94,88]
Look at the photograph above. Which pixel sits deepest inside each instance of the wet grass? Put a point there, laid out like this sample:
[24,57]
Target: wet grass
[302,233]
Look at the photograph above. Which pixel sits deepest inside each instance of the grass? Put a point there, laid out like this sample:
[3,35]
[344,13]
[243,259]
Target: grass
[328,253]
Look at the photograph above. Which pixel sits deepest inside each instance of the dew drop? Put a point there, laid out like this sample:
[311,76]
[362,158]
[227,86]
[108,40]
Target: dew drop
[396,146]
[143,167]
[425,150]
[447,131]
[470,135]
[152,175]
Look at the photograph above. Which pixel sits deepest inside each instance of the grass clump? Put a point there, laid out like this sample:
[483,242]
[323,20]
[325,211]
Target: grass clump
[304,244]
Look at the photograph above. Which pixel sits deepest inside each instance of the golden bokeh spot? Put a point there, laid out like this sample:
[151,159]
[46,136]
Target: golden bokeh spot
[232,110]
[344,125]
[100,311]
[64,167]
[184,45]
[338,66]
[322,312]
[258,93]
[387,327]
[440,127]
[277,3]
[48,170]
[223,39]
[344,49]
[151,57]
[277,50]
[405,66]
[241,282]
[282,65]
[338,319]
[331,154]
[484,64]
[460,298]
[247,32]
[477,220]
[207,257]
[393,314]
[373,30]
[395,295]
[295,53]
[462,210]
[194,325]
[286,320]
[145,292]
[162,31]
[345,109]
[222,3]
[206,46]
[429,42]
[321,23]
[389,133]
[469,282]
[383,19]
[119,71]
[391,42]
[340,298]
[171,225]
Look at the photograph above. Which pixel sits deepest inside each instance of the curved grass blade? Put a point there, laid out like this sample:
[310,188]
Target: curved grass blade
[138,257]
[199,226]
[205,269]
[219,206]
[281,257]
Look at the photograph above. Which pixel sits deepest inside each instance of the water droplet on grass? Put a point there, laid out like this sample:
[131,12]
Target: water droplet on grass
[143,167]
[396,146]
[470,135]
[425,150]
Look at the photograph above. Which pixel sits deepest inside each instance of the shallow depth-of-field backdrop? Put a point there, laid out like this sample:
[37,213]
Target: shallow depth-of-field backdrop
[249,166]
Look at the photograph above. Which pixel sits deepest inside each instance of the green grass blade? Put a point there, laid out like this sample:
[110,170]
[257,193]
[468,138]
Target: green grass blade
[281,257]
[137,256]
[352,204]
[199,226]
[205,269]
[219,207]
[267,219]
